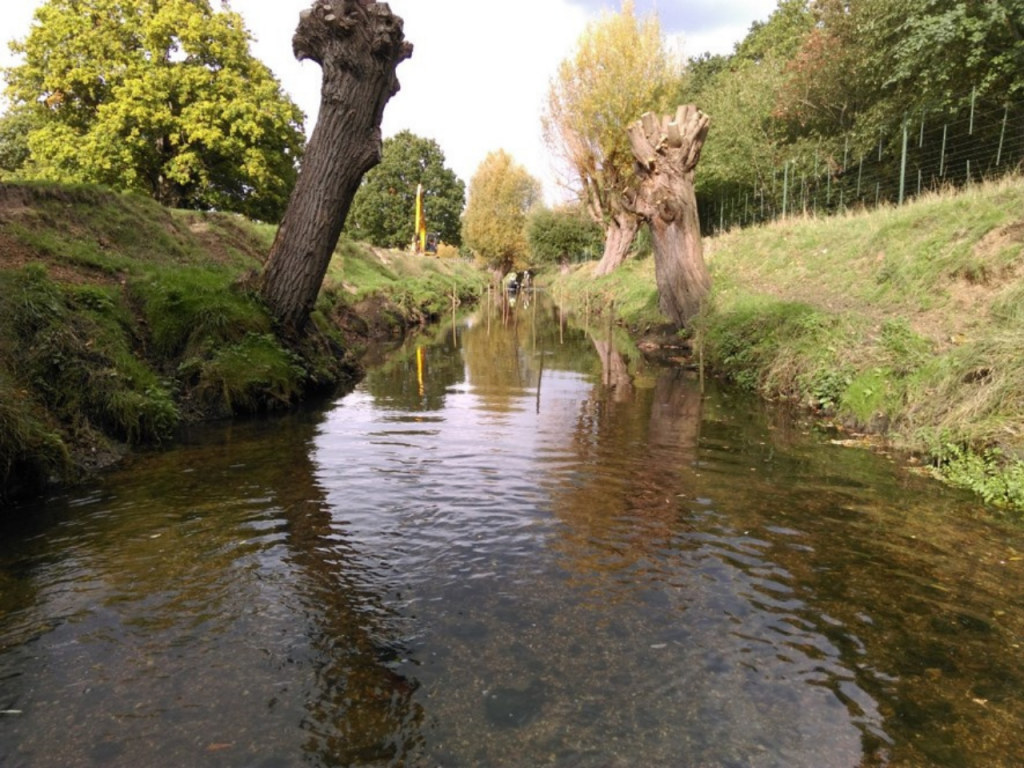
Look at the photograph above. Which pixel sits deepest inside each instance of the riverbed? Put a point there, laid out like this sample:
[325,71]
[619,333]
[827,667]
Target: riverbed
[515,543]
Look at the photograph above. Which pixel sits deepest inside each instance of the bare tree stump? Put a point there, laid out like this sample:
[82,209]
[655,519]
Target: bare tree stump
[358,45]
[666,153]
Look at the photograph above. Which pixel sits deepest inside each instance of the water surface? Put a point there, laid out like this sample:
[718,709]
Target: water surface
[514,544]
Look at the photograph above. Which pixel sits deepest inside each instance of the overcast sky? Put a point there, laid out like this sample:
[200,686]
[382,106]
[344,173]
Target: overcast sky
[480,69]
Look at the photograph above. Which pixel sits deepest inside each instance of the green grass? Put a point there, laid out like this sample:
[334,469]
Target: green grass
[120,319]
[903,320]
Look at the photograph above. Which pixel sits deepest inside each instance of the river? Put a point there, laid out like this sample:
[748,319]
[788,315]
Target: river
[515,543]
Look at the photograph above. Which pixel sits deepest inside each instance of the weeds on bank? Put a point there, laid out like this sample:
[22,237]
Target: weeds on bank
[902,320]
[417,286]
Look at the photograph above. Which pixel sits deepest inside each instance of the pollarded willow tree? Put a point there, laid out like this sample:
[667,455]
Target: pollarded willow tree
[358,45]
[666,151]
[621,69]
[158,96]
[501,195]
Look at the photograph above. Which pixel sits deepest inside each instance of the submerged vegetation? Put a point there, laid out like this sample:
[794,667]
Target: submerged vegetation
[903,321]
[121,319]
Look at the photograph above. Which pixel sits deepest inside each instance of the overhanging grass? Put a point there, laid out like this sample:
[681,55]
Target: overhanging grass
[74,356]
[906,320]
[417,286]
[119,318]
[192,309]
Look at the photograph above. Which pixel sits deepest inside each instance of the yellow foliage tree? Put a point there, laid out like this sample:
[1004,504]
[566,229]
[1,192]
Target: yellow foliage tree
[621,69]
[501,194]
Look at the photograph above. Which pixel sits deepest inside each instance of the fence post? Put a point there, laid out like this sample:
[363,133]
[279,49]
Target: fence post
[785,191]
[974,93]
[903,162]
[860,172]
[942,160]
[1002,133]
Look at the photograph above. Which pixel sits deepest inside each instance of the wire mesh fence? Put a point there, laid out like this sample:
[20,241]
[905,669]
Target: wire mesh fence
[982,138]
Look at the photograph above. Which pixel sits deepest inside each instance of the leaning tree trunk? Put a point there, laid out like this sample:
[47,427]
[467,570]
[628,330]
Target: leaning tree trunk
[619,234]
[358,44]
[667,152]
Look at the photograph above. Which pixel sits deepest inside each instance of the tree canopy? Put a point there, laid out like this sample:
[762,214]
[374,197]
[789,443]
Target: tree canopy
[822,86]
[558,235]
[620,69]
[382,211]
[501,195]
[161,96]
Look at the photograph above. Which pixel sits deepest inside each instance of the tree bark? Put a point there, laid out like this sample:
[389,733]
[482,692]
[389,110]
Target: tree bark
[358,44]
[619,234]
[667,152]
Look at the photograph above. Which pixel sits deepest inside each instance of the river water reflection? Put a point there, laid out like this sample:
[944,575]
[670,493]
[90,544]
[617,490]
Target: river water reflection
[514,544]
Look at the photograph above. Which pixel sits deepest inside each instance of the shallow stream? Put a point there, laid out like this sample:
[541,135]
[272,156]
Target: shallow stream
[513,544]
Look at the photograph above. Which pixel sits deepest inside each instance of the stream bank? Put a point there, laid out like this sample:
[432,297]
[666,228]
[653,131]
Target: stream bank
[901,323]
[121,321]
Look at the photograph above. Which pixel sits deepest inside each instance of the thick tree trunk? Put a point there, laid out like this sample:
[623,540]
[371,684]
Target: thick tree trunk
[358,44]
[619,235]
[667,152]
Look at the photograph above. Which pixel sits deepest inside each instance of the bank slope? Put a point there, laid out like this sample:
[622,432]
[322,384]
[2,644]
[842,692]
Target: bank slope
[120,319]
[905,322]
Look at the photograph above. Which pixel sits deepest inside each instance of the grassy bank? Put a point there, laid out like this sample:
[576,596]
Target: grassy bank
[904,322]
[120,319]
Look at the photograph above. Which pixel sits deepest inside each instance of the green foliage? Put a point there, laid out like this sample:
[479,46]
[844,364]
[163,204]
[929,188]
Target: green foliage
[780,36]
[989,474]
[192,310]
[76,354]
[822,86]
[501,195]
[421,288]
[161,97]
[779,348]
[869,397]
[31,450]
[905,350]
[15,125]
[383,211]
[560,235]
[131,318]
[621,68]
[254,373]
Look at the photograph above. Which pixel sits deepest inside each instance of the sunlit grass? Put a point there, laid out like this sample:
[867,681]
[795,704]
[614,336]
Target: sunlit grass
[907,320]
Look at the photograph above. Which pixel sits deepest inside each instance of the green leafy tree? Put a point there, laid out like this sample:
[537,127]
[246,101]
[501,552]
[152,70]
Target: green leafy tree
[161,96]
[741,93]
[559,235]
[621,69]
[15,126]
[501,195]
[867,63]
[383,210]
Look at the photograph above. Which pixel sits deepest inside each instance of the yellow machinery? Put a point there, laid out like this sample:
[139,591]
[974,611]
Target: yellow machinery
[420,238]
[422,242]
